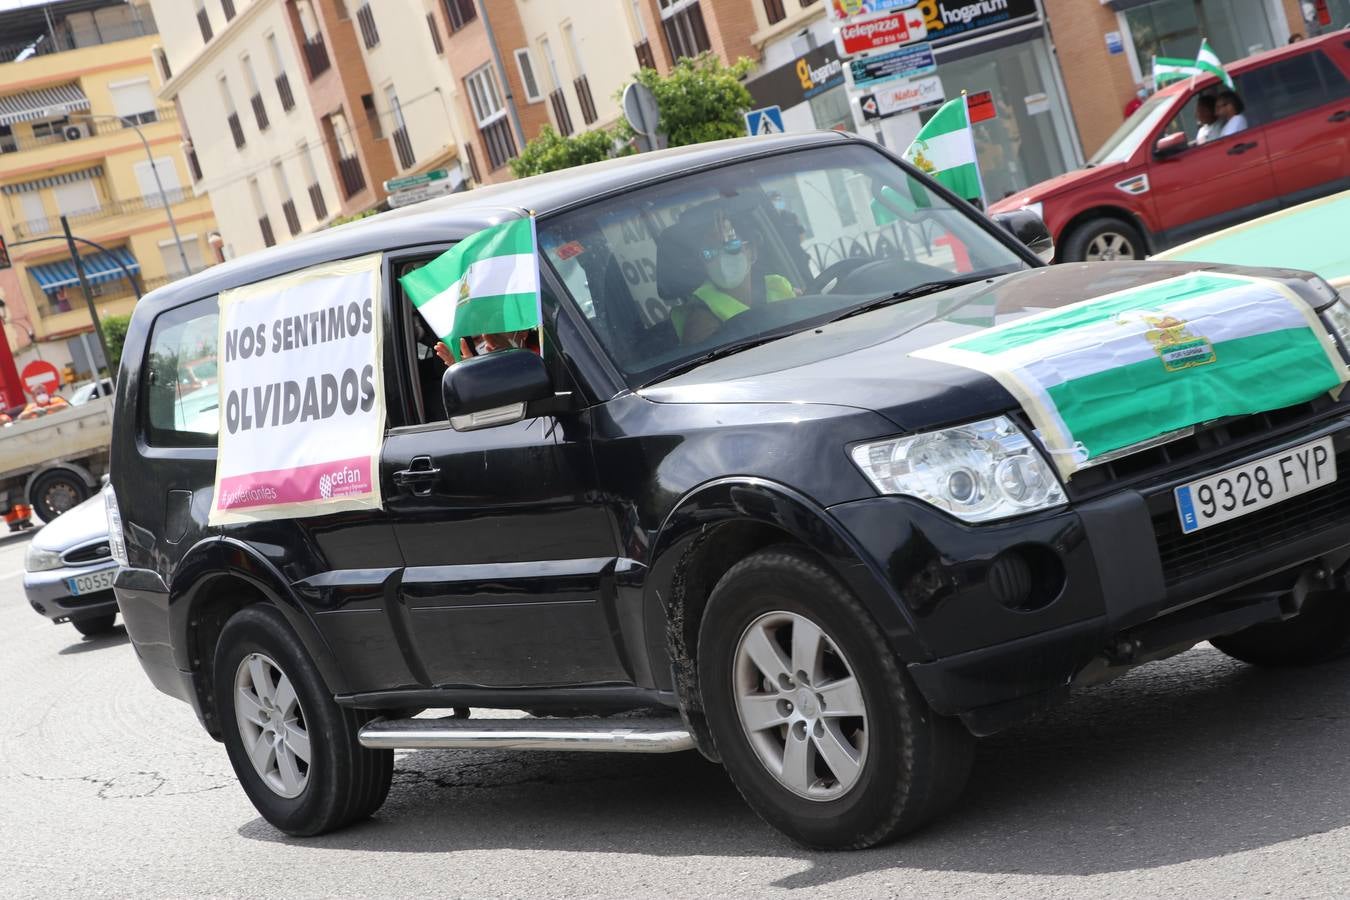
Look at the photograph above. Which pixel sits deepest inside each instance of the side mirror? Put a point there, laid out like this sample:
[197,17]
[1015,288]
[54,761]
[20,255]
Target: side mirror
[494,389]
[1171,145]
[1030,229]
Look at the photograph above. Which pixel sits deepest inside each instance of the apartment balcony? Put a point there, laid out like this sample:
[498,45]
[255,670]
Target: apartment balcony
[316,202]
[561,117]
[32,228]
[292,217]
[316,56]
[500,145]
[73,128]
[66,38]
[236,130]
[643,49]
[265,226]
[284,93]
[587,103]
[353,179]
[259,111]
[403,144]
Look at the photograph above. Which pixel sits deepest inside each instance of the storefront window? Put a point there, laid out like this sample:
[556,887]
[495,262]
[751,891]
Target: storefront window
[830,109]
[1028,140]
[1174,28]
[1324,16]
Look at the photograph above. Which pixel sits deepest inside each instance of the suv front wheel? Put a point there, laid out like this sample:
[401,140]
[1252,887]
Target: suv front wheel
[820,729]
[293,749]
[1104,239]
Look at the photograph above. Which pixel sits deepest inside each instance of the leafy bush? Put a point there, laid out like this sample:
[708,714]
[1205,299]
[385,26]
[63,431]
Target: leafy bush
[550,151]
[115,333]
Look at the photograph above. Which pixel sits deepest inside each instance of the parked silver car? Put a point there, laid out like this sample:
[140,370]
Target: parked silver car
[69,569]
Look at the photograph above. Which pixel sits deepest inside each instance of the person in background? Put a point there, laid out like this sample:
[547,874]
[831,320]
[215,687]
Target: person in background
[1140,95]
[42,404]
[1229,107]
[1208,119]
[1295,37]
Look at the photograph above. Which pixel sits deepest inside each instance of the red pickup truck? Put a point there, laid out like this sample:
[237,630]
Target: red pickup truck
[1155,184]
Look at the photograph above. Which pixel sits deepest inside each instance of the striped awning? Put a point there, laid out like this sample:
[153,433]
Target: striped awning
[24,187]
[45,103]
[98,267]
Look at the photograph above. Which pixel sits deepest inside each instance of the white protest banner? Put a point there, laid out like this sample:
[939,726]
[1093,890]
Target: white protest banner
[301,395]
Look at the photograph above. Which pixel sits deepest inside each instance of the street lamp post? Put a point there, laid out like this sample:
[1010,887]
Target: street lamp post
[154,169]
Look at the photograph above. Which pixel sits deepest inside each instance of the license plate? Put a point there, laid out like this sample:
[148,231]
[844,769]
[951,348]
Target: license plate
[94,581]
[1255,485]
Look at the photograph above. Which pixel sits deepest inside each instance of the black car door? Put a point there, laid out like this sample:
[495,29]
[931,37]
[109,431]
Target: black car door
[509,553]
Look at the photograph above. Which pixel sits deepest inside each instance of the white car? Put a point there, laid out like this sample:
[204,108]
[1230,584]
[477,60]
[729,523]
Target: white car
[69,570]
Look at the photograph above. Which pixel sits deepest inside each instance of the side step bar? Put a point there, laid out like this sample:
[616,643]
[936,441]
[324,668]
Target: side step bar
[663,735]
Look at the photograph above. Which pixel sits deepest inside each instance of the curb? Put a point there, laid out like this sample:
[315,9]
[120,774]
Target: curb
[13,537]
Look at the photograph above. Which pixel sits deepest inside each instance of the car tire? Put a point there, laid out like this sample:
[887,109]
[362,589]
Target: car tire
[340,782]
[1103,239]
[94,625]
[902,764]
[1319,633]
[57,492]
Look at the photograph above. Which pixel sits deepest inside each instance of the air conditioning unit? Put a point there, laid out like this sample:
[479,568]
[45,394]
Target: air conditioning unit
[74,132]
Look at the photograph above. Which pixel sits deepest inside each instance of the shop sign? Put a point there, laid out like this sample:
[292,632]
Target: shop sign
[980,107]
[880,33]
[948,18]
[908,62]
[844,9]
[798,81]
[920,93]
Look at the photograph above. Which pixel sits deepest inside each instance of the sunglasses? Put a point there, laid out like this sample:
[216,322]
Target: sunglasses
[733,246]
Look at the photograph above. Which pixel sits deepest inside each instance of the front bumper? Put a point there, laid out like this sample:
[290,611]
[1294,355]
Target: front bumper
[1119,575]
[49,593]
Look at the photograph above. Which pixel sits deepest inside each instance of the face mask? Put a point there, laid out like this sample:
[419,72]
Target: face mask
[42,399]
[1142,93]
[729,270]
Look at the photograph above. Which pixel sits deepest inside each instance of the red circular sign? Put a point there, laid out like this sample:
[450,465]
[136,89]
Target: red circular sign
[40,375]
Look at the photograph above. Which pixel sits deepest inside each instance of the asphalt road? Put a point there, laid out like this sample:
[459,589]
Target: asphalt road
[1196,777]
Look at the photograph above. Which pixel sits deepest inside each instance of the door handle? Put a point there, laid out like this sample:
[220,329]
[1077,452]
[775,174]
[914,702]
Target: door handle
[418,477]
[1340,116]
[1239,149]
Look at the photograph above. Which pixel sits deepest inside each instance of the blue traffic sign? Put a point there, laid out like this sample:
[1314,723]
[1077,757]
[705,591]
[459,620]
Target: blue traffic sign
[768,120]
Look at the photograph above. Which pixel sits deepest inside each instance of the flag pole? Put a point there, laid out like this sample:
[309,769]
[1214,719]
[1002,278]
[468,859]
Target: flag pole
[974,152]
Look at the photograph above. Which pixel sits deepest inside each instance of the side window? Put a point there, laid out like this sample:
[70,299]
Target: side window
[1294,85]
[180,399]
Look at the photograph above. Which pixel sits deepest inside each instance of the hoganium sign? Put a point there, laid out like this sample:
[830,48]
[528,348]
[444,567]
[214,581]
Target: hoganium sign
[880,33]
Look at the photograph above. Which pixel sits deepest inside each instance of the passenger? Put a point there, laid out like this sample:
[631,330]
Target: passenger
[482,344]
[1229,107]
[42,404]
[1208,119]
[711,247]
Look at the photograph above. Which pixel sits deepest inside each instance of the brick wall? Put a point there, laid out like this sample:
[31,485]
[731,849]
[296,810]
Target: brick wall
[730,25]
[1099,84]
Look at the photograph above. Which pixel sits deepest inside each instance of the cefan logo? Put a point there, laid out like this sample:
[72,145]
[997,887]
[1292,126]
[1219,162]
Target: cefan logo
[325,486]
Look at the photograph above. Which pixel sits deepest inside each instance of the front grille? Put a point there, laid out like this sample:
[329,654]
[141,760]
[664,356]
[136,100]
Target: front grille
[1187,555]
[92,553]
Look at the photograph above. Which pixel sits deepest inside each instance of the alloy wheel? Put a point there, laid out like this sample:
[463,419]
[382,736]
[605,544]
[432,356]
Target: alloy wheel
[272,725]
[1110,245]
[800,705]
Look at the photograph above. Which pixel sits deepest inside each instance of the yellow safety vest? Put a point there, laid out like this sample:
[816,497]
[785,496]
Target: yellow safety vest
[725,306]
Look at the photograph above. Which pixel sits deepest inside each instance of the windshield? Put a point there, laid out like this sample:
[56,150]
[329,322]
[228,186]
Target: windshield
[716,260]
[1121,145]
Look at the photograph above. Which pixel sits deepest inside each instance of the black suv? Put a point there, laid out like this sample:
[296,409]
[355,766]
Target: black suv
[769,531]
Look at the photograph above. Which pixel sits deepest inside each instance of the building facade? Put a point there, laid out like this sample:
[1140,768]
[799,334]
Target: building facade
[84,135]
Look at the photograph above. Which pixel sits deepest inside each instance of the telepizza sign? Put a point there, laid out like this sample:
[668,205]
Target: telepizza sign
[880,33]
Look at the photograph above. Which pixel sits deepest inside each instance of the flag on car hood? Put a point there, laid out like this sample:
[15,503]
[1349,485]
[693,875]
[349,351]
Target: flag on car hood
[1122,369]
[945,150]
[488,283]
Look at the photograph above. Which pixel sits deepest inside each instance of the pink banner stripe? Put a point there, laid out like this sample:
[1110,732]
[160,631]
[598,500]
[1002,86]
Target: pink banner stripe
[318,481]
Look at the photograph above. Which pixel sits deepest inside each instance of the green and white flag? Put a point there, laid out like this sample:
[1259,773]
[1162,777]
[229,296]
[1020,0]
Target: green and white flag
[1206,63]
[488,283]
[945,150]
[1120,370]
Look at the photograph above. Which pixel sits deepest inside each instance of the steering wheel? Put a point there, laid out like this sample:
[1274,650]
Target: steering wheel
[835,272]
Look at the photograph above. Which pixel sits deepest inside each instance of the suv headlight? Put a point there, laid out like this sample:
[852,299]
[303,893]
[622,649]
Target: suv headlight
[38,560]
[1337,315]
[978,472]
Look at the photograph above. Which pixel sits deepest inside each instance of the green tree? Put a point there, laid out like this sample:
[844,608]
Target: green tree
[701,99]
[550,151]
[115,333]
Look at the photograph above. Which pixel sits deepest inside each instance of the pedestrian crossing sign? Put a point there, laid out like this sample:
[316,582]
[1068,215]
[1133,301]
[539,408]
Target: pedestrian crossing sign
[766,120]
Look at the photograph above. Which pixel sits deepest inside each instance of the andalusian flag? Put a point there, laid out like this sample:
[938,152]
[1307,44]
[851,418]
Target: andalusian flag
[488,283]
[1128,367]
[945,149]
[1206,63]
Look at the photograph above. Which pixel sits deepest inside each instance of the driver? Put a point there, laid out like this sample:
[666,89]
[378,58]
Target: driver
[726,259]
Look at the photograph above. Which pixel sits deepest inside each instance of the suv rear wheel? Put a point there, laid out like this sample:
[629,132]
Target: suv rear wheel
[820,729]
[1320,632]
[1104,239]
[293,749]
